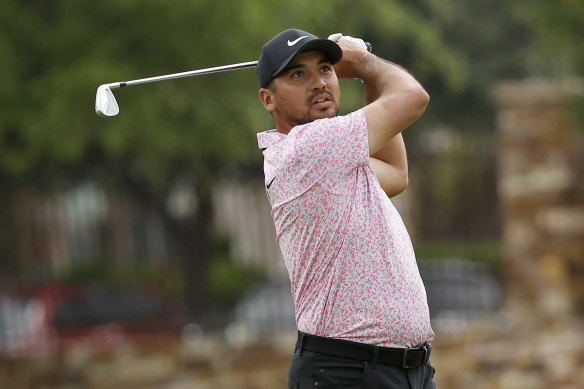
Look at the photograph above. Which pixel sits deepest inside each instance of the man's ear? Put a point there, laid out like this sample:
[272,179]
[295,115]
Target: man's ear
[267,99]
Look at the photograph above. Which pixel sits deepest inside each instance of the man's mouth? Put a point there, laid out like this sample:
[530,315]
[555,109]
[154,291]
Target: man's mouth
[322,100]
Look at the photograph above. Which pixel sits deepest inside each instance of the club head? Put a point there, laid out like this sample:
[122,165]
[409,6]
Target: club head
[105,102]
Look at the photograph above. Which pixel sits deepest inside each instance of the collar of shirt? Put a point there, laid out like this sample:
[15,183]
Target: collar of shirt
[269,138]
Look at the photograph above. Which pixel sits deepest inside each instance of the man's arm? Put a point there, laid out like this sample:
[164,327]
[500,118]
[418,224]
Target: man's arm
[390,163]
[390,166]
[401,99]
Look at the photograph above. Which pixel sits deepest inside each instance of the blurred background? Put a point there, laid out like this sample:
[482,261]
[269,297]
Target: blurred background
[139,252]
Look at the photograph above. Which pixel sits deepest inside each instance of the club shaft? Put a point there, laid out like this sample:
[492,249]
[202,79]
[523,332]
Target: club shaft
[191,73]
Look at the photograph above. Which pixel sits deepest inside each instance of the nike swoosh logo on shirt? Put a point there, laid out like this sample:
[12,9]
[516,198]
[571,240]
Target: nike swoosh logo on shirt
[270,183]
[296,40]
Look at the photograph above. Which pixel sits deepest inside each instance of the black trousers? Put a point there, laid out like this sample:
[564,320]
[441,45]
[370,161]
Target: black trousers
[315,370]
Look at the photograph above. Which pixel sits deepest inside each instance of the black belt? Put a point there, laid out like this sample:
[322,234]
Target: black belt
[406,358]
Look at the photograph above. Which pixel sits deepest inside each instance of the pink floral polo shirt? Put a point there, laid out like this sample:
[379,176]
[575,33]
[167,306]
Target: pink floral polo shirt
[350,259]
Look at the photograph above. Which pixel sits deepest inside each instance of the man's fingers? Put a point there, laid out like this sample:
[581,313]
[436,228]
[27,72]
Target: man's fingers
[354,41]
[338,37]
[335,37]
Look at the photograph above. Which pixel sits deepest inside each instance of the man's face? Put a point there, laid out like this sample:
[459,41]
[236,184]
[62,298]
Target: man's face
[308,89]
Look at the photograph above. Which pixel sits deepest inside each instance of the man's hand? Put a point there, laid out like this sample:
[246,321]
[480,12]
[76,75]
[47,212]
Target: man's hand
[353,51]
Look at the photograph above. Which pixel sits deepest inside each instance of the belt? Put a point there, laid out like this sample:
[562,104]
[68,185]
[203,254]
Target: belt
[406,358]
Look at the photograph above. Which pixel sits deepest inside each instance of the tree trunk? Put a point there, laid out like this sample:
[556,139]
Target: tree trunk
[194,233]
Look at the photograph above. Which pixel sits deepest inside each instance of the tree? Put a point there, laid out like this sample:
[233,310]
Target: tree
[557,29]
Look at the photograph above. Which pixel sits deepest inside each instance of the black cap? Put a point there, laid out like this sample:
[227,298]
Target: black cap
[284,47]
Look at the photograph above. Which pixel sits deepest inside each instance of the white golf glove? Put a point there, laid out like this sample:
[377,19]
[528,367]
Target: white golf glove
[349,39]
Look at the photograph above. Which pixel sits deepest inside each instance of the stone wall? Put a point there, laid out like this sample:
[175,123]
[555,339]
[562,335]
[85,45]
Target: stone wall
[200,362]
[483,357]
[541,186]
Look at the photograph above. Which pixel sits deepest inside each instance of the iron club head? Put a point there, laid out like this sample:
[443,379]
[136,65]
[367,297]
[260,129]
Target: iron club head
[105,101]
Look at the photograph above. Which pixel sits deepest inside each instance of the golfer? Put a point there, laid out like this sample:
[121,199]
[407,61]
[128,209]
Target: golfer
[361,307]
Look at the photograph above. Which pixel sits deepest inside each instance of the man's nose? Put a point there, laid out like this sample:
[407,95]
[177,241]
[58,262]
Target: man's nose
[319,82]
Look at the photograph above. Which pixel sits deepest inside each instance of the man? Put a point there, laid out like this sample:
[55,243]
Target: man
[361,307]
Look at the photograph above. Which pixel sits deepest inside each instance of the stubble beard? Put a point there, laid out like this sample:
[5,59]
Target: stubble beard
[309,117]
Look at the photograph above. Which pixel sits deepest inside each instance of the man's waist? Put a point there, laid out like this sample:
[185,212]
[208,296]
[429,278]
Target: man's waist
[406,358]
[394,326]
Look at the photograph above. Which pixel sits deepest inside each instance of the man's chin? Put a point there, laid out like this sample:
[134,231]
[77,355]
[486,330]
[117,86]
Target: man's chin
[315,115]
[326,114]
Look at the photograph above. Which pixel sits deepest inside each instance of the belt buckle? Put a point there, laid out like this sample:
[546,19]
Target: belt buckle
[426,348]
[405,358]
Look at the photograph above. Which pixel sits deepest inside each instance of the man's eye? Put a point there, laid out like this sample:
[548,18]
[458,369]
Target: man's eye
[326,68]
[297,74]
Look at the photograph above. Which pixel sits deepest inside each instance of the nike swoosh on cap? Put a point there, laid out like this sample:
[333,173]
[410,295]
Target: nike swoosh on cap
[296,40]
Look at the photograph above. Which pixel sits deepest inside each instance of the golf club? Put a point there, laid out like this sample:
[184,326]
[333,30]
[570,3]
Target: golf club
[105,101]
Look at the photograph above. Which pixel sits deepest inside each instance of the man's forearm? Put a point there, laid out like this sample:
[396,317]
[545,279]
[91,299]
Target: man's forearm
[390,163]
[395,99]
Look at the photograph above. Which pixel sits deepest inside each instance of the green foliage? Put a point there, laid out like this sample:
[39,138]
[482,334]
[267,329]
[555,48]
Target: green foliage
[557,26]
[56,53]
[59,54]
[480,251]
[163,277]
[227,281]
[576,110]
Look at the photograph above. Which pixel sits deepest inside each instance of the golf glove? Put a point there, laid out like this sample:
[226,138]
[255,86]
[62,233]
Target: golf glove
[349,39]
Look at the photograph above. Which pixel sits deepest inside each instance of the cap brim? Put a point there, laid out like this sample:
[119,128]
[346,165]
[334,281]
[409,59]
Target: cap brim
[326,46]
